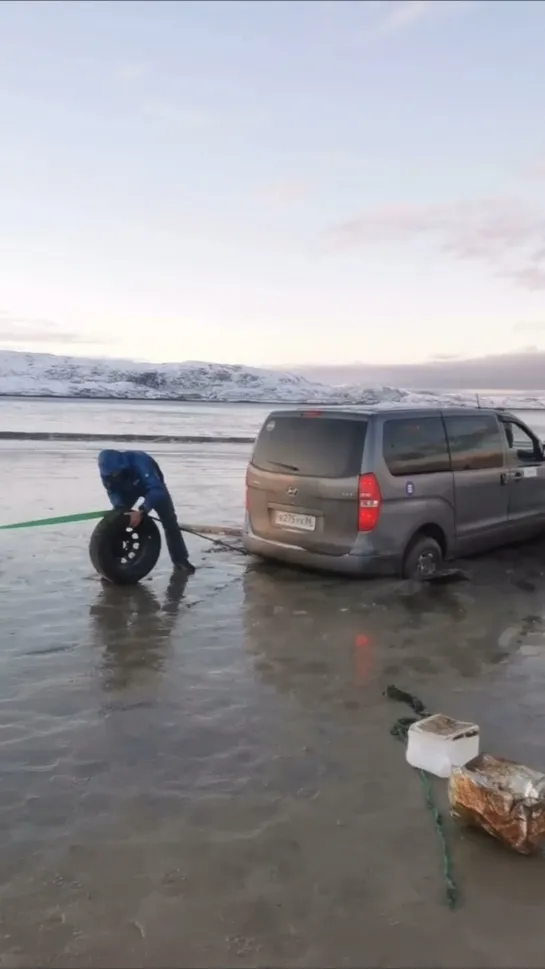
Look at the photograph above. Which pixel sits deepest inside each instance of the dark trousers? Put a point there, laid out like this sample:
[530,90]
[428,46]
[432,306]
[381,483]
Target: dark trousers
[175,540]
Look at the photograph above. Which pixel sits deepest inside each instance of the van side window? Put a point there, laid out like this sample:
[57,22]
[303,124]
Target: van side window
[522,448]
[476,442]
[415,446]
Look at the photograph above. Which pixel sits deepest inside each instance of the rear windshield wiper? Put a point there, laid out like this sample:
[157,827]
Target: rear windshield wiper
[280,464]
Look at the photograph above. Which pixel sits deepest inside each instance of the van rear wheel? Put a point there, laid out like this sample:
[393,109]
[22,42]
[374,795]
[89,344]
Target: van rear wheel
[423,558]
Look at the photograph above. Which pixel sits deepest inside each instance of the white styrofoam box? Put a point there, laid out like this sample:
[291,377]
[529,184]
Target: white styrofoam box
[439,743]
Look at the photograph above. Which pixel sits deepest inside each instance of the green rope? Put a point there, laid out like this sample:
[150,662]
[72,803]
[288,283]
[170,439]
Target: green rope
[400,730]
[90,515]
[451,888]
[63,520]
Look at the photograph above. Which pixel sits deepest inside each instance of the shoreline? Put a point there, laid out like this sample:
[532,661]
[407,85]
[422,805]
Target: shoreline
[99,436]
[257,403]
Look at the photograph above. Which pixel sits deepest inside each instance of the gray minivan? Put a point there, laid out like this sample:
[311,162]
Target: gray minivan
[391,491]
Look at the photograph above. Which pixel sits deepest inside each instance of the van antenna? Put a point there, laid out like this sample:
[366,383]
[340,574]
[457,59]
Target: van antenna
[478,401]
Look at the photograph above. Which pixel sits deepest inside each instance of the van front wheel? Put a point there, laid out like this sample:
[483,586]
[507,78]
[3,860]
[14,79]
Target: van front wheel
[423,558]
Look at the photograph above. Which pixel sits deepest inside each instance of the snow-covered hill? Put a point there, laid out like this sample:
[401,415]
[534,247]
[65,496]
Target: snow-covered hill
[41,374]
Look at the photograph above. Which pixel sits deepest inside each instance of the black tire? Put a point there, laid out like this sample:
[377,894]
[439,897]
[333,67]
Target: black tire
[423,558]
[122,554]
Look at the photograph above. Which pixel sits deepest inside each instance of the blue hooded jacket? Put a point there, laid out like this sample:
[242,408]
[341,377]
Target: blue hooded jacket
[130,475]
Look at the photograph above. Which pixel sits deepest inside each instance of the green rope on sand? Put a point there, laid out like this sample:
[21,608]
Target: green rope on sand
[451,888]
[400,730]
[63,520]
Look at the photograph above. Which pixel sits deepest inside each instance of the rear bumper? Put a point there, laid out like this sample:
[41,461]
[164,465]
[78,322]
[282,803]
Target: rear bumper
[363,560]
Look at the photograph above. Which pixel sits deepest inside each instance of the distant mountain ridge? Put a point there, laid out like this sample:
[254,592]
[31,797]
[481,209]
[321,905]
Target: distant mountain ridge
[48,375]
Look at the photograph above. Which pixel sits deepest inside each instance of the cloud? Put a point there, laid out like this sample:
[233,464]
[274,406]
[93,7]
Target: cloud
[521,370]
[398,15]
[504,234]
[530,277]
[405,13]
[21,330]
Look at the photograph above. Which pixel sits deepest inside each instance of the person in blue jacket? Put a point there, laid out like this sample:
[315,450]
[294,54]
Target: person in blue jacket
[130,475]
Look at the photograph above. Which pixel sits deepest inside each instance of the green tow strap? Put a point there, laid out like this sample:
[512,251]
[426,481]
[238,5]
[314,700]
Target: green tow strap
[62,520]
[89,515]
[400,730]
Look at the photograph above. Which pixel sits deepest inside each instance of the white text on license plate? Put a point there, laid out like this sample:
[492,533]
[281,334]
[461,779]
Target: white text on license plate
[307,523]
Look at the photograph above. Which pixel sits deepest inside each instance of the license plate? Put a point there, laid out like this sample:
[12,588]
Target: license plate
[306,523]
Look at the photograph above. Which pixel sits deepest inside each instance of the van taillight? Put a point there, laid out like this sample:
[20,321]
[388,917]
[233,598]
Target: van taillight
[370,500]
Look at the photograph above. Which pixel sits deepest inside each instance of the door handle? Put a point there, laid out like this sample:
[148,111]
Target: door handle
[503,478]
[518,475]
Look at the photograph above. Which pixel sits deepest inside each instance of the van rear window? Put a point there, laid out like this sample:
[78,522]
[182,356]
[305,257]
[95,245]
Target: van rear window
[317,447]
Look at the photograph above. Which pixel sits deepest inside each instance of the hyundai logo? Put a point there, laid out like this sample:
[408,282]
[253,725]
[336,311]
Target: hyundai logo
[292,492]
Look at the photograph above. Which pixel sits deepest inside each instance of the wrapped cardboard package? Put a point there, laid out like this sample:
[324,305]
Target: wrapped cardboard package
[504,798]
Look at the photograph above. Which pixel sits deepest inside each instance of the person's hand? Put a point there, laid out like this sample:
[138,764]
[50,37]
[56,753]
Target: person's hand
[135,518]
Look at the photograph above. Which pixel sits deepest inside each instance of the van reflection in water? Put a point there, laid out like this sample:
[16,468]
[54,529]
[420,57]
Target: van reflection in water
[306,634]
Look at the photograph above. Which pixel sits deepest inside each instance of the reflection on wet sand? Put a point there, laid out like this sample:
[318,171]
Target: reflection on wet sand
[205,776]
[132,628]
[376,629]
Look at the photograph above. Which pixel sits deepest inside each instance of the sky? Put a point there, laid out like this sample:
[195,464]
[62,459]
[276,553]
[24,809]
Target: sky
[273,183]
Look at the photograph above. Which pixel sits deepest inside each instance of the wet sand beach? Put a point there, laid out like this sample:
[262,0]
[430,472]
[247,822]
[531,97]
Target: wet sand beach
[203,774]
